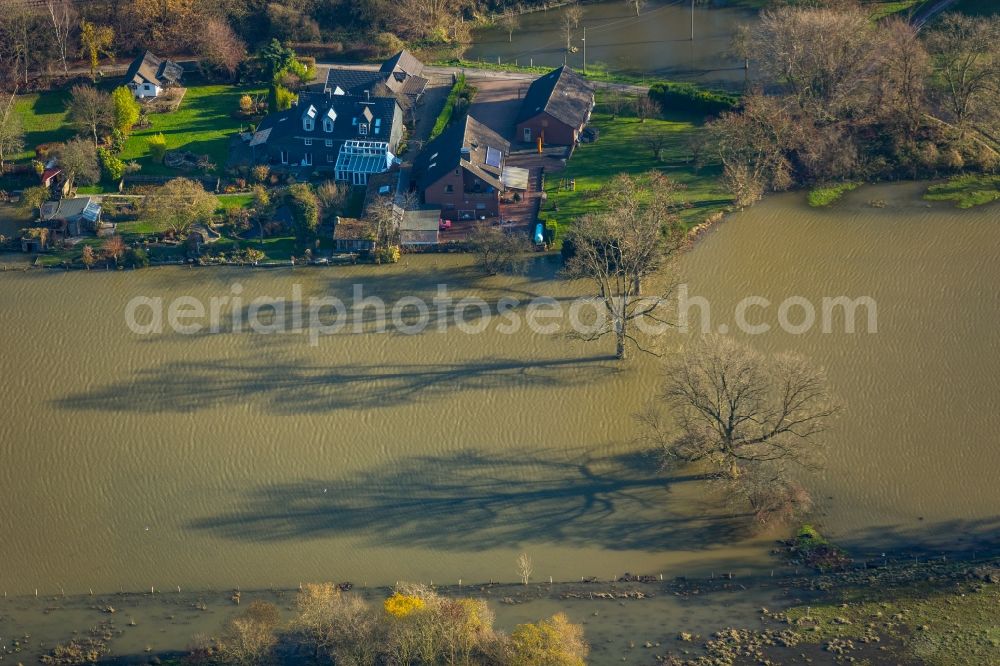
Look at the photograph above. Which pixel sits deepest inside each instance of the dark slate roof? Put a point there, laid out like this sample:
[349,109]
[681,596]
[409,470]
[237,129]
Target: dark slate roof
[153,69]
[562,93]
[352,81]
[405,62]
[445,153]
[379,84]
[349,110]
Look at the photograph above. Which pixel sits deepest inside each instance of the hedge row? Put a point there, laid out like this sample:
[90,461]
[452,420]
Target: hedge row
[689,97]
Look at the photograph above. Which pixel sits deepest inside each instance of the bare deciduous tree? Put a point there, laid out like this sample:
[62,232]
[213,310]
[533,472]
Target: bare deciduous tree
[113,248]
[645,107]
[78,159]
[338,624]
[91,110]
[63,18]
[219,47]
[823,56]
[178,204]
[524,568]
[510,22]
[622,247]
[749,418]
[753,146]
[249,638]
[656,141]
[905,67]
[968,59]
[636,4]
[572,14]
[496,249]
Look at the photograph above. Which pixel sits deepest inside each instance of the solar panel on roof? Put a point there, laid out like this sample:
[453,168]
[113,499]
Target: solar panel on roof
[493,157]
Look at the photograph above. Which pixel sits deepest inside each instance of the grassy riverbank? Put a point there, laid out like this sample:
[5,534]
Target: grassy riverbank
[825,195]
[624,147]
[966,191]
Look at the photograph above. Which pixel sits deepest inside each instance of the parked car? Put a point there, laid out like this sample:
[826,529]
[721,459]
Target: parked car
[444,225]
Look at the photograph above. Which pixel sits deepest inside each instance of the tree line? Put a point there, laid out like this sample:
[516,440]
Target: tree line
[414,625]
[841,97]
[46,37]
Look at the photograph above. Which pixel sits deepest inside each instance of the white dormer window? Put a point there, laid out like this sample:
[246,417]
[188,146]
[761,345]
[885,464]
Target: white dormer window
[328,120]
[363,128]
[309,119]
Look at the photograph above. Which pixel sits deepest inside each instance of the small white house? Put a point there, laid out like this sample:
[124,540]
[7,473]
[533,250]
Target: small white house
[149,74]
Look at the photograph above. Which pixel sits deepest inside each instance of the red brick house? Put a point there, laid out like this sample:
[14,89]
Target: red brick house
[461,171]
[556,108]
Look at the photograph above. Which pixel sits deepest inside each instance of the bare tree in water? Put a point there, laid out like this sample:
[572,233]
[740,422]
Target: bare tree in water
[622,247]
[751,419]
[571,17]
[510,22]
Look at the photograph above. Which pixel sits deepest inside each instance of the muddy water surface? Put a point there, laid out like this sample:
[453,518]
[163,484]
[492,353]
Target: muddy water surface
[238,458]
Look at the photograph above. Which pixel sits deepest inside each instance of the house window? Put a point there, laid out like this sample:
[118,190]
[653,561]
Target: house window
[307,124]
[307,142]
[449,188]
[327,125]
[284,157]
[330,158]
[329,143]
[307,159]
[362,128]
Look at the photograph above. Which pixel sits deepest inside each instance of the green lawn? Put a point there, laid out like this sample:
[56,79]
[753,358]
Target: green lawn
[966,191]
[202,125]
[44,119]
[621,148]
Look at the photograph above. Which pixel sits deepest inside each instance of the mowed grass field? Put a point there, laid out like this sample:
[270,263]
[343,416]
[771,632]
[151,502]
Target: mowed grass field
[622,148]
[202,124]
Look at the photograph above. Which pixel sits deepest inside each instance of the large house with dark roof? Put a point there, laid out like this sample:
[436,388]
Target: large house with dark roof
[149,74]
[398,77]
[462,170]
[556,108]
[351,136]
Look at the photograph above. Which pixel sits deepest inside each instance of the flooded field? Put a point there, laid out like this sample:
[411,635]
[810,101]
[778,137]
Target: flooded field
[244,459]
[656,43]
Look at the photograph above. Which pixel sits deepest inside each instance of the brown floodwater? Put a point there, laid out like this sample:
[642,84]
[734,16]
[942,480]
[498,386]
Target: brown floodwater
[257,460]
[656,43]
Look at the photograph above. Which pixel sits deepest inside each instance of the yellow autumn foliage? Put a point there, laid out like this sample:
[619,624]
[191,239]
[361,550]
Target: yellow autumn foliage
[402,605]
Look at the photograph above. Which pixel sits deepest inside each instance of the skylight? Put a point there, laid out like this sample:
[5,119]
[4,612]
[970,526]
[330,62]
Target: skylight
[493,157]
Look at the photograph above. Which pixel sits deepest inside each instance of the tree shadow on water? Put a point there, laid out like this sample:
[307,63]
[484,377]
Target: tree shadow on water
[294,387]
[471,500]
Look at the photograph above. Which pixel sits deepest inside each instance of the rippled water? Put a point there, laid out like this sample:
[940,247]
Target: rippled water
[657,42]
[246,459]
